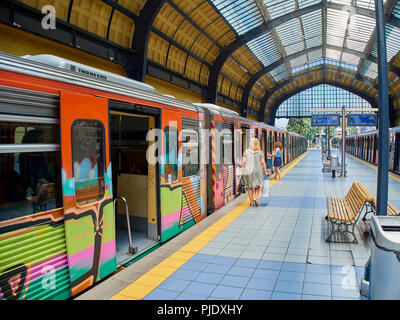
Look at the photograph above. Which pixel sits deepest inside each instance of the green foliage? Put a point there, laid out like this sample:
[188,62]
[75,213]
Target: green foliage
[303,127]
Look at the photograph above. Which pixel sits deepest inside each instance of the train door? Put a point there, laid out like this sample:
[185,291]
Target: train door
[134,182]
[87,189]
[375,148]
[228,163]
[264,142]
[238,159]
[246,136]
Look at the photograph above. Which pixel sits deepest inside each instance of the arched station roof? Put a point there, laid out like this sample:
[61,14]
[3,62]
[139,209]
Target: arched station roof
[249,54]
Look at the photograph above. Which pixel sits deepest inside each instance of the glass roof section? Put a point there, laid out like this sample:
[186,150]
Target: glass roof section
[258,47]
[280,73]
[392,42]
[278,8]
[243,15]
[291,38]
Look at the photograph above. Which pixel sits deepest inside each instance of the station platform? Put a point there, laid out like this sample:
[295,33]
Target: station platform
[274,251]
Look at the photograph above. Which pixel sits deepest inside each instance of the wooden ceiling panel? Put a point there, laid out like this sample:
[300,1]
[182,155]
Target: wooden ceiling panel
[92,16]
[244,57]
[121,29]
[168,20]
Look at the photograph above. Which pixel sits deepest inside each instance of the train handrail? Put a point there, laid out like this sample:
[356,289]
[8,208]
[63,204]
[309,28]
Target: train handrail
[131,248]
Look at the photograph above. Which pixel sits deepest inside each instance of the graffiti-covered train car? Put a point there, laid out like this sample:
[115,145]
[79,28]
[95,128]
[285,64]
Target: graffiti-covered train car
[96,169]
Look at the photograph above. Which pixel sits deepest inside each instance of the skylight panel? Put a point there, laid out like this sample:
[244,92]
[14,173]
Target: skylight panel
[289,32]
[367,4]
[350,58]
[335,41]
[280,73]
[396,10]
[348,2]
[290,35]
[360,28]
[369,69]
[336,26]
[315,55]
[333,54]
[307,3]
[243,15]
[299,61]
[265,49]
[314,42]
[296,47]
[392,41]
[277,8]
[312,26]
[355,45]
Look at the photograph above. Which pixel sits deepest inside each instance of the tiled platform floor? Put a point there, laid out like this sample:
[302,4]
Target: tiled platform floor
[275,251]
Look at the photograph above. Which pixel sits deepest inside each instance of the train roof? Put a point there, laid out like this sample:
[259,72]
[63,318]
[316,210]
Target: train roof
[88,78]
[218,109]
[63,70]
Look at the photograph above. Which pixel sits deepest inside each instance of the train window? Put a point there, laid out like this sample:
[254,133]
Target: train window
[171,154]
[227,148]
[238,147]
[20,133]
[88,160]
[190,152]
[30,175]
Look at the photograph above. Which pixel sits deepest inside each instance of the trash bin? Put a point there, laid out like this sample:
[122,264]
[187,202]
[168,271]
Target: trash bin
[334,164]
[385,258]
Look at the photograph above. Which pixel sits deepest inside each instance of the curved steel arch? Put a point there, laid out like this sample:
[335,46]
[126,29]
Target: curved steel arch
[136,67]
[335,84]
[211,92]
[253,80]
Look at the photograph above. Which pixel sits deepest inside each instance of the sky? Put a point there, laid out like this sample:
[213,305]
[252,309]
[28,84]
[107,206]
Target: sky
[281,122]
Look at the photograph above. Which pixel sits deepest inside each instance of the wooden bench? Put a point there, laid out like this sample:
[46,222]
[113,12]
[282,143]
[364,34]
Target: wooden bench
[344,213]
[391,210]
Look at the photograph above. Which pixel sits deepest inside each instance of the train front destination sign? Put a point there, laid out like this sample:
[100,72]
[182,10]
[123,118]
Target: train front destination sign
[368,120]
[325,120]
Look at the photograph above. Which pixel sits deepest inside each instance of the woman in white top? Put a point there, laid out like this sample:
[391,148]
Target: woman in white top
[254,170]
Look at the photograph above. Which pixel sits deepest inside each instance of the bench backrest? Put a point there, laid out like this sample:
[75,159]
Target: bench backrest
[354,200]
[391,210]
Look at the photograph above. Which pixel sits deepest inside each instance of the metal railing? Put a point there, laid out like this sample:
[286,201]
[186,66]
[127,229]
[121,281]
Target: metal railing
[131,248]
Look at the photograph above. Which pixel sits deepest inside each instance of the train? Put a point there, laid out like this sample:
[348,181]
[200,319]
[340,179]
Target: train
[365,146]
[79,197]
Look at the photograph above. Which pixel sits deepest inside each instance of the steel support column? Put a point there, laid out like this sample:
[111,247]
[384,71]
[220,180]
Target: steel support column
[136,67]
[383,113]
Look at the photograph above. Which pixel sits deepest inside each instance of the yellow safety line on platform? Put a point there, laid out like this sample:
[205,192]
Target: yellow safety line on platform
[154,277]
[391,175]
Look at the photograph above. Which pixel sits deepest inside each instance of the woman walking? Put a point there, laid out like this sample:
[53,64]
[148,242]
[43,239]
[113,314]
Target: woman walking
[278,159]
[254,170]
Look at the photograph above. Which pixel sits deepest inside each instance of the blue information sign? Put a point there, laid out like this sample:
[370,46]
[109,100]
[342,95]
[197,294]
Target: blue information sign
[325,120]
[356,120]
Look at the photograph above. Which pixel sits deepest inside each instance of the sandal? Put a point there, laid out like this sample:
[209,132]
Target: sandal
[256,203]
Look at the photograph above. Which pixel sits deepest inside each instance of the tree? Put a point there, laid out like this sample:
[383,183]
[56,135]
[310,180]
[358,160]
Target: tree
[303,127]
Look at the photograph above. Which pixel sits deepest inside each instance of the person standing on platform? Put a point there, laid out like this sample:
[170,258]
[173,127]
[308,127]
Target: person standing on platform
[277,154]
[254,170]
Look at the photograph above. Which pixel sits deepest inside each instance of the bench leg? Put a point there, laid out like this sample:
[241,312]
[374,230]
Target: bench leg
[341,228]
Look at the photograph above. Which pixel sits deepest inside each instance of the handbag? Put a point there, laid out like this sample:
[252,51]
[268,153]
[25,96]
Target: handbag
[265,187]
[242,186]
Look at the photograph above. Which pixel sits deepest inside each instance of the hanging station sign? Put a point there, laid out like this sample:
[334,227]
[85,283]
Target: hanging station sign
[325,120]
[368,120]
